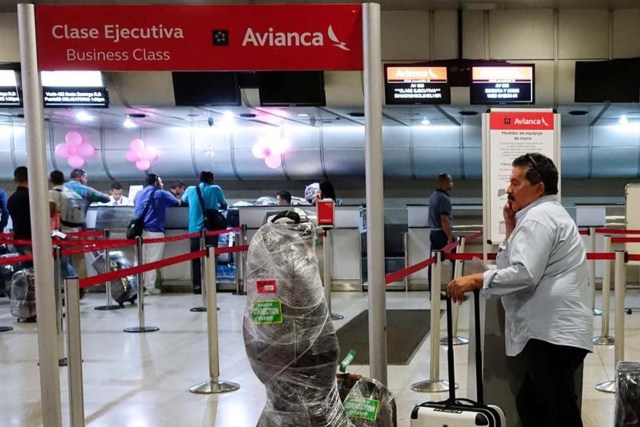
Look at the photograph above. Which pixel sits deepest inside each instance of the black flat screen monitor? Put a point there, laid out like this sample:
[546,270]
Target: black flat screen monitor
[608,81]
[502,84]
[292,88]
[199,89]
[416,84]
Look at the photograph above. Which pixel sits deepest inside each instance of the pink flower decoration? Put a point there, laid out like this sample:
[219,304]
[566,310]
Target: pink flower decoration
[74,149]
[140,154]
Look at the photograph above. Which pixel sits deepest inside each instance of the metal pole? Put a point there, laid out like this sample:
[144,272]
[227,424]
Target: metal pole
[141,326]
[203,282]
[605,338]
[57,284]
[455,309]
[434,384]
[405,243]
[213,385]
[107,268]
[374,189]
[327,273]
[40,225]
[74,343]
[620,283]
[592,270]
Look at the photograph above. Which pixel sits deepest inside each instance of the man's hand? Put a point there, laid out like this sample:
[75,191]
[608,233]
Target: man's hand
[509,215]
[458,287]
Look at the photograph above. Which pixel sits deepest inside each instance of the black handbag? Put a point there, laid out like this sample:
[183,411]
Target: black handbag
[136,225]
[212,218]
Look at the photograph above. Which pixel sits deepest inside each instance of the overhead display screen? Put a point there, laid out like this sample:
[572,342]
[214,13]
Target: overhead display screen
[9,93]
[67,89]
[414,84]
[502,84]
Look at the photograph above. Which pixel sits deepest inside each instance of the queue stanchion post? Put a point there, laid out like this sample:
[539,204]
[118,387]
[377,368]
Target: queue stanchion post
[405,244]
[213,385]
[620,282]
[57,283]
[434,383]
[240,261]
[74,344]
[604,338]
[141,323]
[592,270]
[107,268]
[455,309]
[203,286]
[327,273]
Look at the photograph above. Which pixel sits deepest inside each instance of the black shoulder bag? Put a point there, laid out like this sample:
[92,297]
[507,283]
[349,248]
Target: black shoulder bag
[136,225]
[213,219]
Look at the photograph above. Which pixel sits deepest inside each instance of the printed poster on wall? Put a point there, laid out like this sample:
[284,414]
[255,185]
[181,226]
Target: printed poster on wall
[507,135]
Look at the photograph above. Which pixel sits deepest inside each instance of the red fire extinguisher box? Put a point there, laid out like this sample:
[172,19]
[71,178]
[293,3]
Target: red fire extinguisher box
[325,212]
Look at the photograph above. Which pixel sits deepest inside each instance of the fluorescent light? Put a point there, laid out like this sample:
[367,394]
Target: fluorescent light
[623,120]
[425,122]
[83,116]
[128,123]
[71,78]
[303,115]
[8,78]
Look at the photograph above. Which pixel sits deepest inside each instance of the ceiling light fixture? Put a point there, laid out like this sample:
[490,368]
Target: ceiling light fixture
[623,120]
[425,122]
[129,124]
[83,116]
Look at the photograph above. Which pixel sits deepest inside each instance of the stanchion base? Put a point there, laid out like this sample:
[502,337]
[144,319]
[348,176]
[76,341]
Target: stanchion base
[198,309]
[607,387]
[429,386]
[210,387]
[336,316]
[6,328]
[109,307]
[140,329]
[63,362]
[597,312]
[456,341]
[603,340]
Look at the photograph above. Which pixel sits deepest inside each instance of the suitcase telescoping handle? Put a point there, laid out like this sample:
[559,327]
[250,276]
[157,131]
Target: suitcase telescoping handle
[478,353]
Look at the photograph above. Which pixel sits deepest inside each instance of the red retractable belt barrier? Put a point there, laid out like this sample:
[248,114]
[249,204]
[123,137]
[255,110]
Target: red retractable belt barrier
[16,259]
[229,249]
[171,238]
[473,236]
[625,240]
[85,233]
[616,231]
[225,231]
[583,231]
[87,282]
[397,275]
[634,257]
[16,242]
[601,256]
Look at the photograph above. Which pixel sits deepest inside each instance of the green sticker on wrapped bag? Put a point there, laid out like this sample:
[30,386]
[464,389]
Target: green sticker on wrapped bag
[266,312]
[359,407]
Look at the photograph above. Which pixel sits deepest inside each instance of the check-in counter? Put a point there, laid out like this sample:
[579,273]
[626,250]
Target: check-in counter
[345,237]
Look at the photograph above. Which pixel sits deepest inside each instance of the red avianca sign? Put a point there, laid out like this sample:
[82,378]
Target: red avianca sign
[200,38]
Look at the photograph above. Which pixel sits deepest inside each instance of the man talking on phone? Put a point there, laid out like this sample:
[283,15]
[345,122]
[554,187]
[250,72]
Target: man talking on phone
[542,279]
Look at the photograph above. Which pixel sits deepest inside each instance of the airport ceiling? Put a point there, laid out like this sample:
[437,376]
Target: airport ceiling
[334,116]
[10,5]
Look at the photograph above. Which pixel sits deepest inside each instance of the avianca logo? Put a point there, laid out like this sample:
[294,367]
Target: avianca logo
[537,122]
[273,38]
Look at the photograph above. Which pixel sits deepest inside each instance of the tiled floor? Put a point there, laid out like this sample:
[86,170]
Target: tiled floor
[142,380]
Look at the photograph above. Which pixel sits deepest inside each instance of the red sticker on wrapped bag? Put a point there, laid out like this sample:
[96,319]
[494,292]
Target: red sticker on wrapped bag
[266,286]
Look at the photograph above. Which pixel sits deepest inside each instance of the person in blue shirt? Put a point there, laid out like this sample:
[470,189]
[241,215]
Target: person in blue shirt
[213,198]
[4,213]
[542,279]
[158,200]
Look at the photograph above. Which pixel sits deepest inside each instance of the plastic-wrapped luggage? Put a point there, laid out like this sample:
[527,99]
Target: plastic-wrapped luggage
[23,295]
[124,289]
[367,402]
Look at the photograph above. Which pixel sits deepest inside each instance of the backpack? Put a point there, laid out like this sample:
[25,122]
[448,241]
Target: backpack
[71,208]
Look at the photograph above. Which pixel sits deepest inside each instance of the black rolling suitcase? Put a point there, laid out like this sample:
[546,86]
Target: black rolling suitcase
[23,295]
[459,412]
[6,274]
[124,289]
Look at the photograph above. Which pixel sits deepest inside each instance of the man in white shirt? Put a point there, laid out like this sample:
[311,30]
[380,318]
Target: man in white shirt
[115,196]
[542,279]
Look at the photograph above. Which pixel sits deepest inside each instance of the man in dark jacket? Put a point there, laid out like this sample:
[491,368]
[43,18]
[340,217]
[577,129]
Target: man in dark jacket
[18,206]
